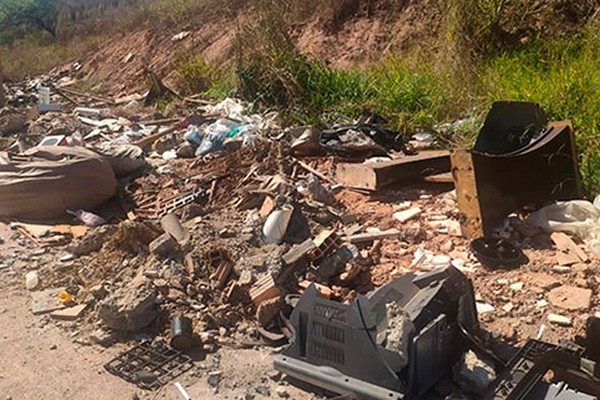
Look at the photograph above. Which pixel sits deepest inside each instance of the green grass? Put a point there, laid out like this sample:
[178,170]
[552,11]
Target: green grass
[564,77]
[416,93]
[477,57]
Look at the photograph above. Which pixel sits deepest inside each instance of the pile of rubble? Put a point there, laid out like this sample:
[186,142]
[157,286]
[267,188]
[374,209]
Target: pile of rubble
[219,220]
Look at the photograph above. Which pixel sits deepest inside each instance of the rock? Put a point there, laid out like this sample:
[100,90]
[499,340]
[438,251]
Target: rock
[98,291]
[263,390]
[249,396]
[69,314]
[559,320]
[268,310]
[473,374]
[542,280]
[68,257]
[102,337]
[31,280]
[517,287]
[281,391]
[163,246]
[53,347]
[508,307]
[561,269]
[185,151]
[130,308]
[214,378]
[541,303]
[483,308]
[335,263]
[570,298]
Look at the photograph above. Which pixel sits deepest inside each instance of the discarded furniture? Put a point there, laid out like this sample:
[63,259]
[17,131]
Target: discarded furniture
[519,160]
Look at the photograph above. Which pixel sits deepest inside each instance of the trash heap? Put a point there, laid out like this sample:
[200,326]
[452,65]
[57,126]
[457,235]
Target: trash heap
[216,217]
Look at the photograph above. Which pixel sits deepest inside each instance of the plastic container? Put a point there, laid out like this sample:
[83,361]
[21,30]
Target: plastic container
[214,136]
[276,225]
[44,95]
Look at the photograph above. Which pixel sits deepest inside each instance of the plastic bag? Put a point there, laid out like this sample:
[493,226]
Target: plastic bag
[193,135]
[578,217]
[215,135]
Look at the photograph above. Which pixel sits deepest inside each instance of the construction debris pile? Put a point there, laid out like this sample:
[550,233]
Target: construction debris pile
[217,218]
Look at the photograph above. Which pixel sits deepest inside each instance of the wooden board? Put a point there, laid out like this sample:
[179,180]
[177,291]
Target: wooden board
[370,237]
[378,175]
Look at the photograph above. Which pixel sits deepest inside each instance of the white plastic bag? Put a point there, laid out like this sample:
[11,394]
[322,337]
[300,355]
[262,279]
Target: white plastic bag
[578,217]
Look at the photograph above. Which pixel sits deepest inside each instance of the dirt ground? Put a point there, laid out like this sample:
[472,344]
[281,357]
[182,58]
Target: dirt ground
[42,359]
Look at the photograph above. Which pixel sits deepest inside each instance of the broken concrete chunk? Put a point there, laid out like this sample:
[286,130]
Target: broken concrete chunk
[264,289]
[163,246]
[559,320]
[129,308]
[407,215]
[31,280]
[69,314]
[570,298]
[568,252]
[298,253]
[483,308]
[400,329]
[102,337]
[473,374]
[171,225]
[46,301]
[543,281]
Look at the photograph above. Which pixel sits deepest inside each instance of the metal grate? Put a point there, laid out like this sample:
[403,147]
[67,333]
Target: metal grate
[149,365]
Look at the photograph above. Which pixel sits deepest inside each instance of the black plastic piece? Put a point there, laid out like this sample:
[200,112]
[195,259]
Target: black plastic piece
[511,126]
[497,253]
[149,365]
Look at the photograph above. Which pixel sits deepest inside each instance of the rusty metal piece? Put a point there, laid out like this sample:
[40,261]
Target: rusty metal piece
[490,187]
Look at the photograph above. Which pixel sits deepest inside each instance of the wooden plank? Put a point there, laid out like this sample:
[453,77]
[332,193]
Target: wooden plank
[315,172]
[89,96]
[378,175]
[143,142]
[371,237]
[467,196]
[446,177]
[407,215]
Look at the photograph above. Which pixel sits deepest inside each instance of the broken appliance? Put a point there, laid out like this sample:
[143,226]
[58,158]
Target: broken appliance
[400,340]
